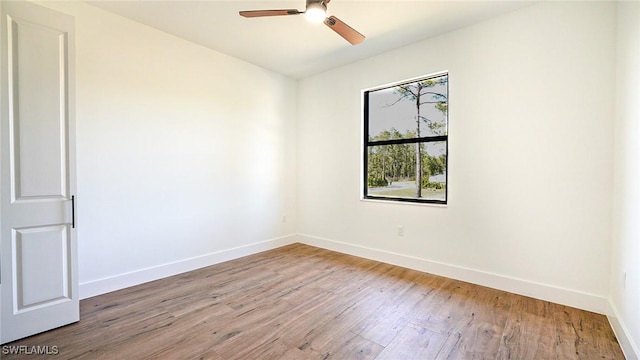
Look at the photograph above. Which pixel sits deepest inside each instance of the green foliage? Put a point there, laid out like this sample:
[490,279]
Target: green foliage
[431,185]
[392,162]
[397,162]
[377,182]
[435,165]
[443,107]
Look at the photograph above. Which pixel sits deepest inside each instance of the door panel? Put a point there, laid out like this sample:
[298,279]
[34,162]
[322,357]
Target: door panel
[41,266]
[37,67]
[38,253]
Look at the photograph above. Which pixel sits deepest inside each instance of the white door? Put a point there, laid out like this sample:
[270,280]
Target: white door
[38,251]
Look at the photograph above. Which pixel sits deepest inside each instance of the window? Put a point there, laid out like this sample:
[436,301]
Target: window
[406,141]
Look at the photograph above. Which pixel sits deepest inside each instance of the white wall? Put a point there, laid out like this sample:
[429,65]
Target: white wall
[625,295]
[184,154]
[530,171]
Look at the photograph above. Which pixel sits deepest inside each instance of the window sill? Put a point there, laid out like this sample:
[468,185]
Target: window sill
[399,202]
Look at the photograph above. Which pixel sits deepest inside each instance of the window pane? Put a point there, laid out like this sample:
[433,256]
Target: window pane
[391,171]
[417,109]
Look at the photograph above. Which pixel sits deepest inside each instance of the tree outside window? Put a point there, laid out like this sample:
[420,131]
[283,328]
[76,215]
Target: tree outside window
[405,150]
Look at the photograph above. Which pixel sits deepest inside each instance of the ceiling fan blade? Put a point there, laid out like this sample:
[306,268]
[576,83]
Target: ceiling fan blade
[260,13]
[344,30]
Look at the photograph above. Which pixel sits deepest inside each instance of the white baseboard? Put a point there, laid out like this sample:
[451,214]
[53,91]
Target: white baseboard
[121,281]
[573,298]
[628,345]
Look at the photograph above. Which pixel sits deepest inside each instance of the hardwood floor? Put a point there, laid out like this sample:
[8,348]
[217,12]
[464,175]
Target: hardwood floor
[302,302]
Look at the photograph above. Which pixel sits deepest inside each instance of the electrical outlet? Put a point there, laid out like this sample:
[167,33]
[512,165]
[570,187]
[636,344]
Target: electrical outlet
[400,230]
[624,279]
[284,218]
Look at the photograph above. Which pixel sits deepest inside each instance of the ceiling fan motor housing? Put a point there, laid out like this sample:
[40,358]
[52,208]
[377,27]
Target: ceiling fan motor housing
[317,4]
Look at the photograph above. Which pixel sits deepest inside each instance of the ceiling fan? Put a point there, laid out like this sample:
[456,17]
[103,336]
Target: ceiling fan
[315,11]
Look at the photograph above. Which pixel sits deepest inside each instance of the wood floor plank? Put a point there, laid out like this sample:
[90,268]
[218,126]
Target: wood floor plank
[479,340]
[584,335]
[530,331]
[273,350]
[436,312]
[414,342]
[302,302]
[352,346]
[476,330]
[392,316]
[470,316]
[294,354]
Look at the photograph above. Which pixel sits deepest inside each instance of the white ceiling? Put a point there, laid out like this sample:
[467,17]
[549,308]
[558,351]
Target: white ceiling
[292,46]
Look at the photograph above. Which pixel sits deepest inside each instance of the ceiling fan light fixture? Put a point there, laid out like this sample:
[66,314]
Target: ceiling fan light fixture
[316,12]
